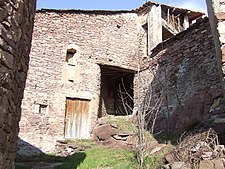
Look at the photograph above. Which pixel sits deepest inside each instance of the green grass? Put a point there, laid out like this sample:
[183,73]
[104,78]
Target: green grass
[100,157]
[123,123]
[152,162]
[86,143]
[94,157]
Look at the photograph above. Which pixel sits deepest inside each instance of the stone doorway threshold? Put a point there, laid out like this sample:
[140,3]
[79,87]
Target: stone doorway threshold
[39,165]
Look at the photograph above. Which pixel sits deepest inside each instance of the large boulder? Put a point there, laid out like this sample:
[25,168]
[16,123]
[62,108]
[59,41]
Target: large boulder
[104,132]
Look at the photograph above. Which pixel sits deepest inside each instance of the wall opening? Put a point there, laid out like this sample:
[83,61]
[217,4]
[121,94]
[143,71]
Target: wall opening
[70,56]
[43,109]
[145,27]
[116,91]
[166,34]
[40,108]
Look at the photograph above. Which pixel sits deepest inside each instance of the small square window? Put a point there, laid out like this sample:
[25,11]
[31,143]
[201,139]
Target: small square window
[40,109]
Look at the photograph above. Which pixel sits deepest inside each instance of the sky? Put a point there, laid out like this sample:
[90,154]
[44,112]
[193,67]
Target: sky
[199,5]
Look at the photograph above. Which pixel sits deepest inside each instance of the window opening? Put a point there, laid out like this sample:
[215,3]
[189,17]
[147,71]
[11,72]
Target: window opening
[42,109]
[70,54]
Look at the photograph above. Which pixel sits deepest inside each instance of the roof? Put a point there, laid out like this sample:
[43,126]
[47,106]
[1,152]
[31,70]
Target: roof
[178,36]
[192,15]
[105,12]
[170,41]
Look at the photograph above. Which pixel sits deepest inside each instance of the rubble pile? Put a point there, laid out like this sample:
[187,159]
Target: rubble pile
[109,132]
[195,151]
[120,132]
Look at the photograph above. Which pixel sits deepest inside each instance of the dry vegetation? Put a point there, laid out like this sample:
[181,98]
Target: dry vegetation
[194,147]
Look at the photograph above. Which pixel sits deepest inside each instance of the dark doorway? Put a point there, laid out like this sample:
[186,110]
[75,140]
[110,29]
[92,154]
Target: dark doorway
[116,91]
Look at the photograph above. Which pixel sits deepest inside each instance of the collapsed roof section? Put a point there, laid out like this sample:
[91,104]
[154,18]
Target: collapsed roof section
[192,15]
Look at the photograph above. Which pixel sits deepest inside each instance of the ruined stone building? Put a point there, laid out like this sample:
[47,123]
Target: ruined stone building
[78,58]
[81,61]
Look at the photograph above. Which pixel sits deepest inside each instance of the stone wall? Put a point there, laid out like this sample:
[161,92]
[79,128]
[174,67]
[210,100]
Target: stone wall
[16,24]
[97,38]
[216,12]
[183,72]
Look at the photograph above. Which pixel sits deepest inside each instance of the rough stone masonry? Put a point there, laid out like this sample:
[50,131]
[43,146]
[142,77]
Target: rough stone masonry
[216,11]
[186,78]
[16,25]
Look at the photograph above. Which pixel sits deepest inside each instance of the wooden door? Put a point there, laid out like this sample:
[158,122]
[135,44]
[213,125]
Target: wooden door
[77,119]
